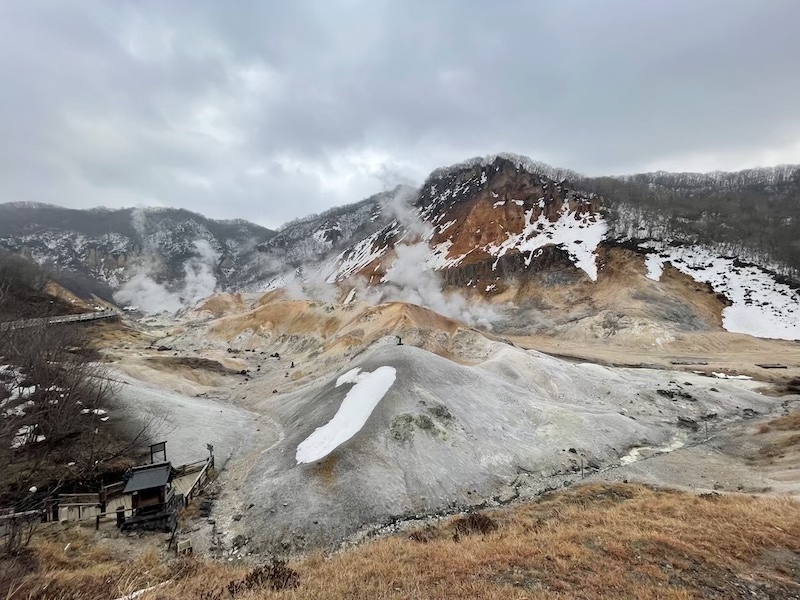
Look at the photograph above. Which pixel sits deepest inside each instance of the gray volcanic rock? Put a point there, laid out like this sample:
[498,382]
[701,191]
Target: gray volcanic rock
[448,435]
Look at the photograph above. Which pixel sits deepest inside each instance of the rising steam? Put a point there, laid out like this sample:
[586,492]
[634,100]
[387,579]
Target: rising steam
[409,278]
[145,293]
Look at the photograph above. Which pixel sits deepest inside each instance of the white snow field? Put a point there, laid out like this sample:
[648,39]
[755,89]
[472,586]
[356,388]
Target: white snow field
[356,408]
[761,306]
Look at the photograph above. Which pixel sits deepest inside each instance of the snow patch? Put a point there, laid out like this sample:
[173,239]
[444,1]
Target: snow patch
[350,377]
[578,233]
[655,266]
[726,376]
[25,435]
[356,408]
[18,410]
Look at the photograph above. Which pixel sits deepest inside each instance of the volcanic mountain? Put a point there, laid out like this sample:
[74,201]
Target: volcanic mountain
[502,230]
[571,255]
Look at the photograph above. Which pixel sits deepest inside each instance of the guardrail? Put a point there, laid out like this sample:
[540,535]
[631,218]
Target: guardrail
[93,316]
[202,478]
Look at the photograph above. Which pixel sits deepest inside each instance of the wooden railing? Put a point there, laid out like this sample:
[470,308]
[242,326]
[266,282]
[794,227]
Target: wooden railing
[99,501]
[92,316]
[202,478]
[191,467]
[111,490]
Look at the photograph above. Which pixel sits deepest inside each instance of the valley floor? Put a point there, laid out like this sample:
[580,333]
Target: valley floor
[225,389]
[701,352]
[679,514]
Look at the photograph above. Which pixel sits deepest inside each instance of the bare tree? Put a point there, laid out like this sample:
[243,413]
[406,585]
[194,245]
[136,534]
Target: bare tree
[22,285]
[53,424]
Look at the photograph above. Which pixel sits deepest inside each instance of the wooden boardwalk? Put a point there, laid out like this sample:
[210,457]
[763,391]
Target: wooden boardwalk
[91,316]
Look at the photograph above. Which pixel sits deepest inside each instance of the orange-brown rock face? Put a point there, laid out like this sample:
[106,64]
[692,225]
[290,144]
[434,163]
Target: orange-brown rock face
[481,207]
[487,220]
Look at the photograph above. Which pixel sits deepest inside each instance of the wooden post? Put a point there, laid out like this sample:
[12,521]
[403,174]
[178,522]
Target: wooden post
[172,537]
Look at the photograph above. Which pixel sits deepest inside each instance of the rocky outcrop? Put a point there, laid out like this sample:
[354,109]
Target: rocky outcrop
[476,209]
[102,259]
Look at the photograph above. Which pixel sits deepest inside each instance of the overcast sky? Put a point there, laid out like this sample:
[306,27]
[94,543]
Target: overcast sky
[273,110]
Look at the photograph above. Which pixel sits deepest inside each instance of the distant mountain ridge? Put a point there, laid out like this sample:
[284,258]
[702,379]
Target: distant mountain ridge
[486,225]
[778,174]
[313,238]
[109,244]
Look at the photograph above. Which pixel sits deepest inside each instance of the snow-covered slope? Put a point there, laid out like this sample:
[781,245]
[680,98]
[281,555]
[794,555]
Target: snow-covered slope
[309,241]
[578,233]
[760,305]
[753,214]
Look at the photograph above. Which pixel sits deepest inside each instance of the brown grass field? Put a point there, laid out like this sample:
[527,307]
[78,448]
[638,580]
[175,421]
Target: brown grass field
[594,541]
[782,442]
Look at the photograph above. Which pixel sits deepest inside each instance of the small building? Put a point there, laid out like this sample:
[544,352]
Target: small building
[149,497]
[149,486]
[149,493]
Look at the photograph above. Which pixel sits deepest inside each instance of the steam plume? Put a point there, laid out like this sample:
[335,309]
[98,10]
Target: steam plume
[145,293]
[409,278]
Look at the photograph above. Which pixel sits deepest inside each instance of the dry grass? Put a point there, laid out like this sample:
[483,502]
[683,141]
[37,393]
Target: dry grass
[780,447]
[107,334]
[596,541]
[790,422]
[783,439]
[61,564]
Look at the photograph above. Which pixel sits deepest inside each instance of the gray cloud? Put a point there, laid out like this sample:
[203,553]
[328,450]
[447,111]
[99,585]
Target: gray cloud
[269,110]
